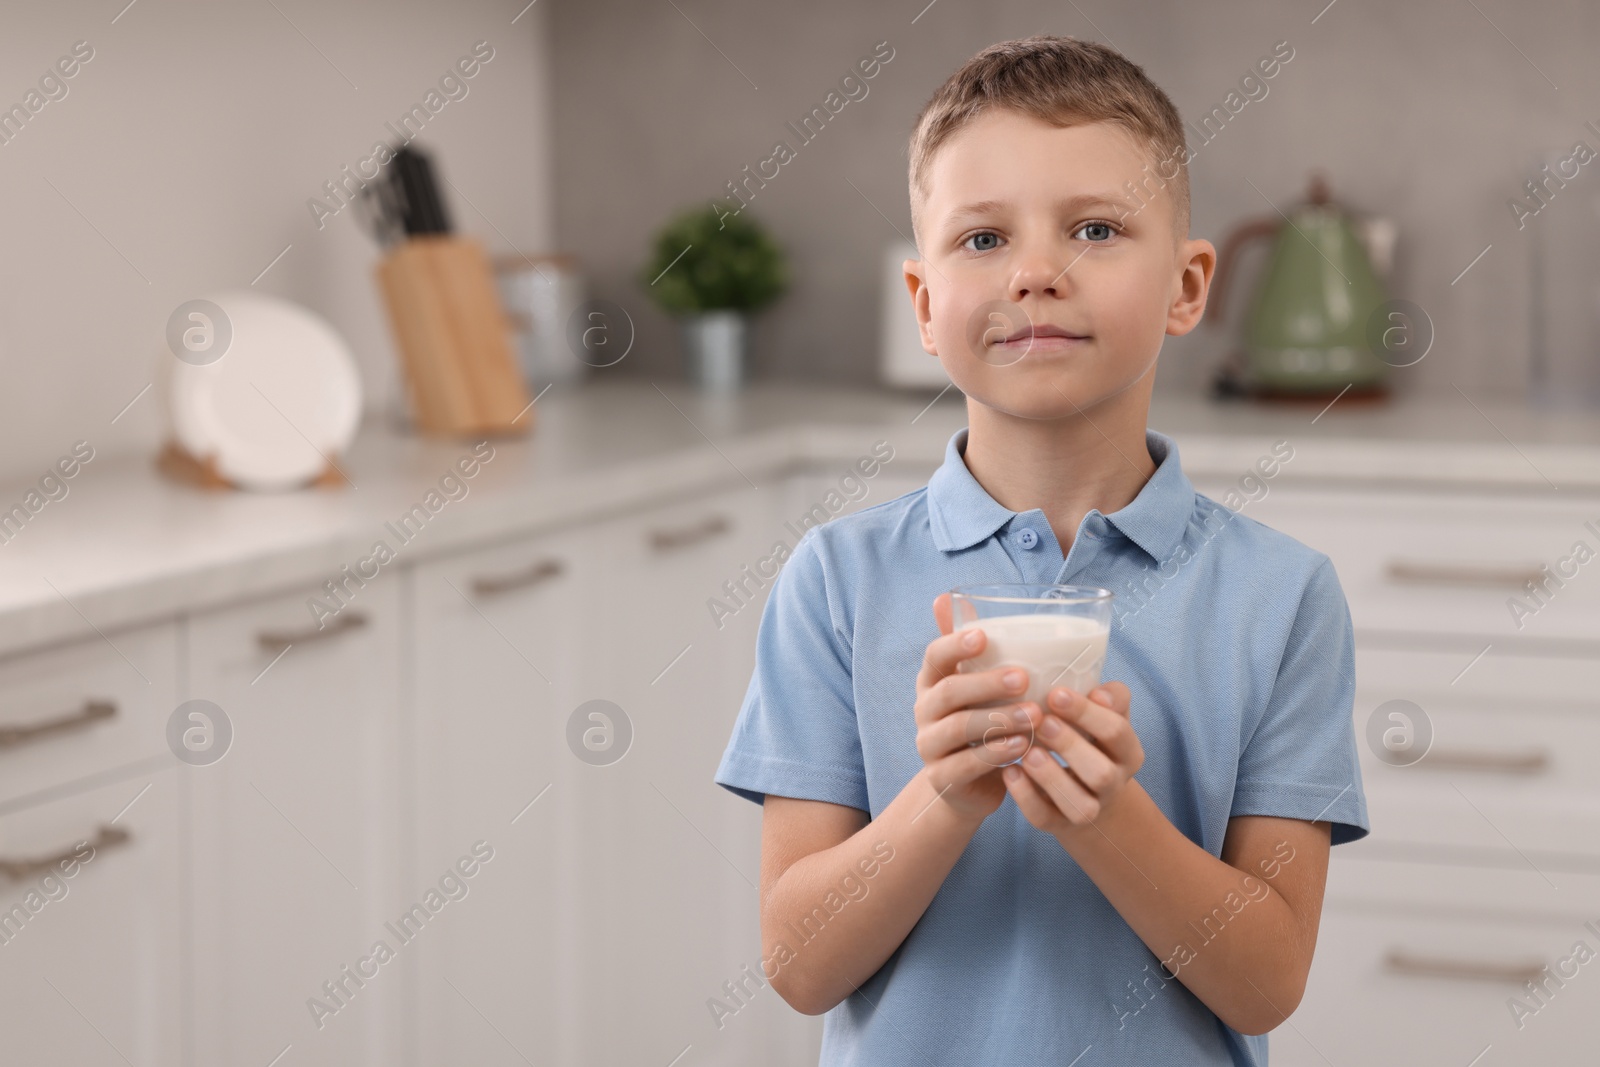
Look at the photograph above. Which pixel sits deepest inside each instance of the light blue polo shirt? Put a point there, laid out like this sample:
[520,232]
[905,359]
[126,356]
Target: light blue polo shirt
[1235,641]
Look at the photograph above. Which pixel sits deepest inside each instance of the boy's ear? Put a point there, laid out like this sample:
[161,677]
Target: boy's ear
[918,288]
[1197,260]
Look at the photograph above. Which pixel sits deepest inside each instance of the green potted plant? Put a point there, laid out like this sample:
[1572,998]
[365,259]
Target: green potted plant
[713,269]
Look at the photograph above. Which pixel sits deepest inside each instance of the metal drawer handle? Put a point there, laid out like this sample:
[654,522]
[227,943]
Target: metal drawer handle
[92,711]
[278,640]
[1531,761]
[536,574]
[711,526]
[1400,961]
[1461,573]
[21,870]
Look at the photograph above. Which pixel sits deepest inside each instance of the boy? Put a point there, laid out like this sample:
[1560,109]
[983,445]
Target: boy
[1154,900]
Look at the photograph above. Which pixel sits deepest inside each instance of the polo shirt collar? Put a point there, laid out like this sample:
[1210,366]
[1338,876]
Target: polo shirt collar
[961,512]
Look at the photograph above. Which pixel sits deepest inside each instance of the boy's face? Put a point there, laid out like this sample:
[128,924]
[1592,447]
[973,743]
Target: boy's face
[1044,286]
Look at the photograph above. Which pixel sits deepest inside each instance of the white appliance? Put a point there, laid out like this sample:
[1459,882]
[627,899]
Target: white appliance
[902,358]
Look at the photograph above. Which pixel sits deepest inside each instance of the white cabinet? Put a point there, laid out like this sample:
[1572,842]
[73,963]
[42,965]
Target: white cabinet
[1433,923]
[92,897]
[1425,964]
[1510,740]
[629,889]
[1414,988]
[75,712]
[1450,563]
[295,864]
[91,926]
[498,765]
[671,868]
[496,642]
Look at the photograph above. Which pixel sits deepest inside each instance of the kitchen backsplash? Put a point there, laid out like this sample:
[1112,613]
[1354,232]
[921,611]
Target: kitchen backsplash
[1434,114]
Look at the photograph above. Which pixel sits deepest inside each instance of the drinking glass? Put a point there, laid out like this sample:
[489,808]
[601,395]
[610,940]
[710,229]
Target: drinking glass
[1057,634]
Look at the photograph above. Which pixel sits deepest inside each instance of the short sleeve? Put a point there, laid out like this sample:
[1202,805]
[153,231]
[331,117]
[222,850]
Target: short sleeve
[1300,761]
[796,734]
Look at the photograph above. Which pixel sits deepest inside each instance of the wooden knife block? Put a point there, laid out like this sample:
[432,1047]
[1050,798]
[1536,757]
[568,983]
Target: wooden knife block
[454,338]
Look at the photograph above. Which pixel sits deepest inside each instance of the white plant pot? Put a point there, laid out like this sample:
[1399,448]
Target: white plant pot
[713,349]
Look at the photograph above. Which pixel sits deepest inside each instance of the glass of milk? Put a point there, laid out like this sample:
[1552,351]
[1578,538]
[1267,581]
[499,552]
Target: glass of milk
[1056,633]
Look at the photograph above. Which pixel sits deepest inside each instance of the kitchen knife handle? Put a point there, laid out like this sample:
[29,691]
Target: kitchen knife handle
[428,190]
[406,186]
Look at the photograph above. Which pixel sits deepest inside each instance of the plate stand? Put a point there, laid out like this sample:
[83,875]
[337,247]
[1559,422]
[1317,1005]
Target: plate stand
[181,465]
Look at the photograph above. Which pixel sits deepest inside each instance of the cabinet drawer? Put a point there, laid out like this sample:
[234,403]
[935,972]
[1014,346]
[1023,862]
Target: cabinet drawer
[1395,988]
[70,711]
[1472,790]
[1359,878]
[1501,678]
[1415,964]
[499,631]
[1450,563]
[1510,742]
[296,819]
[90,953]
[655,835]
[1525,724]
[1463,819]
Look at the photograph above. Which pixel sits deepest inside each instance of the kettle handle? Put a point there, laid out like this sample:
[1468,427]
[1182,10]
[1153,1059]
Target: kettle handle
[1228,258]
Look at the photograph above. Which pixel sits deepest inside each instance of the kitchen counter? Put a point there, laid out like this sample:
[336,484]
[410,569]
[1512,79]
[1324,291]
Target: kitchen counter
[126,545]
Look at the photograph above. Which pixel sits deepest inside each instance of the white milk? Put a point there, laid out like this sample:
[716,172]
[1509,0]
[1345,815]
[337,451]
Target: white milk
[1055,650]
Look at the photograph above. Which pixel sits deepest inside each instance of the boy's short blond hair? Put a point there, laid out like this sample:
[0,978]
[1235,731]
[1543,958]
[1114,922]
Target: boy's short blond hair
[1064,82]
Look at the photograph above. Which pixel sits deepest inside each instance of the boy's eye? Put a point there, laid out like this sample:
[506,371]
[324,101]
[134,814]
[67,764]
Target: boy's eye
[984,241]
[1097,232]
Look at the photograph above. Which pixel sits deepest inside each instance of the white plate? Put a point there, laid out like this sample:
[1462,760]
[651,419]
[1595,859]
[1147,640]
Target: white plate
[280,403]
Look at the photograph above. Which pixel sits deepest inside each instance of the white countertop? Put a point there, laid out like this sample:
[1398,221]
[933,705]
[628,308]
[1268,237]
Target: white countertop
[126,545]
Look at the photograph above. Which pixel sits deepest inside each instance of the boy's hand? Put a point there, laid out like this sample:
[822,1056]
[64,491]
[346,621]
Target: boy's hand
[1095,736]
[963,746]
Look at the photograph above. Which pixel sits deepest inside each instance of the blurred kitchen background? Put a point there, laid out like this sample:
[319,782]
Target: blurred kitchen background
[186,150]
[212,152]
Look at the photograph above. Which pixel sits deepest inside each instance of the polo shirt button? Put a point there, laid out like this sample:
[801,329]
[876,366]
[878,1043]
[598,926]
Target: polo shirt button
[1027,538]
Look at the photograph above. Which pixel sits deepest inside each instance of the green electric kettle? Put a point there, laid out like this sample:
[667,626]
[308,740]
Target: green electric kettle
[1306,336]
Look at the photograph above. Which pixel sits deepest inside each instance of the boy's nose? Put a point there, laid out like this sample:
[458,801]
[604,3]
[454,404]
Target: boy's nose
[1039,275]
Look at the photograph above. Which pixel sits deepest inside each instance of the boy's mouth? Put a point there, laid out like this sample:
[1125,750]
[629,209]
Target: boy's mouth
[1041,336]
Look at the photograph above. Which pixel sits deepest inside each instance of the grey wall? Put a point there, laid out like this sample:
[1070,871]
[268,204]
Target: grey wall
[1421,111]
[181,161]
